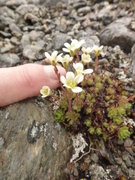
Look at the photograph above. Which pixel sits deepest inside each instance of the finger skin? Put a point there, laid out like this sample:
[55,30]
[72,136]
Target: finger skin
[21,82]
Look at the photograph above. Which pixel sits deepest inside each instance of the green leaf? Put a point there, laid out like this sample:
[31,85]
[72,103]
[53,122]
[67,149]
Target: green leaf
[59,115]
[92,130]
[88,122]
[123,133]
[99,131]
[72,117]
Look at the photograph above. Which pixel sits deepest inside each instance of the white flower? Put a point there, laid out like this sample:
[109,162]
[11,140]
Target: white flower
[80,69]
[45,91]
[71,48]
[71,81]
[53,58]
[97,50]
[86,50]
[66,60]
[85,58]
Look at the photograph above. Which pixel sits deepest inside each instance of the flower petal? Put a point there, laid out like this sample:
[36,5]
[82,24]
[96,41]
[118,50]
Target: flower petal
[88,71]
[45,91]
[63,80]
[54,53]
[65,50]
[78,66]
[67,86]
[47,55]
[70,75]
[59,57]
[77,89]
[79,78]
[67,45]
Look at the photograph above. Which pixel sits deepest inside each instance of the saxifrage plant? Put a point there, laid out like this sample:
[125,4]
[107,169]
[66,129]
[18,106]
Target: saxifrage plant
[90,102]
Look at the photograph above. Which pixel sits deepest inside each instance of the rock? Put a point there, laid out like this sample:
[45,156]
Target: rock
[1,143]
[5,34]
[92,16]
[14,41]
[51,2]
[2,2]
[59,39]
[28,28]
[15,30]
[25,8]
[84,10]
[40,43]
[7,12]
[32,146]
[32,52]
[79,5]
[31,18]
[94,157]
[90,41]
[97,172]
[36,35]
[25,40]
[49,28]
[12,3]
[132,69]
[124,168]
[9,60]
[6,20]
[124,37]
[7,46]
[104,12]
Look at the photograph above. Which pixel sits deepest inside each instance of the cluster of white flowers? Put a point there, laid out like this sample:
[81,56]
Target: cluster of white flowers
[72,79]
[79,145]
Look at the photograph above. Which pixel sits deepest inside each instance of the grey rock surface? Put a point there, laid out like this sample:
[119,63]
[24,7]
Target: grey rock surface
[132,69]
[59,40]
[9,59]
[32,146]
[119,33]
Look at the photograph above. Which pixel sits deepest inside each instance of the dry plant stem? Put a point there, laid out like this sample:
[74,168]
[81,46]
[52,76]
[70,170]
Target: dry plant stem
[131,98]
[77,56]
[70,100]
[96,64]
[58,75]
[77,96]
[88,66]
[85,153]
[73,61]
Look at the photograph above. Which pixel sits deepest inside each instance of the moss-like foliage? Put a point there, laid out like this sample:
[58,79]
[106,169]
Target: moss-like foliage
[90,102]
[98,110]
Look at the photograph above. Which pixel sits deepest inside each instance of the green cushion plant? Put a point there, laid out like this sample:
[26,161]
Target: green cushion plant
[91,103]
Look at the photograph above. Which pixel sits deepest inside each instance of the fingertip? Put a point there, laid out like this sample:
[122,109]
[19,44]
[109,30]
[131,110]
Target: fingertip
[50,71]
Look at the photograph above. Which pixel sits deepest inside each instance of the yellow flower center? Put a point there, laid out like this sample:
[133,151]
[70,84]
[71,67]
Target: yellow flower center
[71,83]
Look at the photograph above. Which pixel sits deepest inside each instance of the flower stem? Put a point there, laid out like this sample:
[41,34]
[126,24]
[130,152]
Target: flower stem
[58,75]
[88,66]
[77,56]
[70,100]
[96,64]
[131,98]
